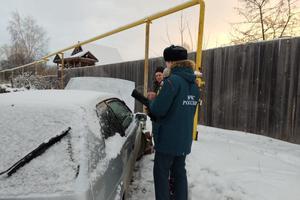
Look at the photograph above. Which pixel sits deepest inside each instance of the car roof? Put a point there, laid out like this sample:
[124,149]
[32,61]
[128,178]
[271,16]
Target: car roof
[54,98]
[120,87]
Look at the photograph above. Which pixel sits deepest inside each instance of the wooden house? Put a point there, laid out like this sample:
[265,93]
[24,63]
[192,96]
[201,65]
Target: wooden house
[78,58]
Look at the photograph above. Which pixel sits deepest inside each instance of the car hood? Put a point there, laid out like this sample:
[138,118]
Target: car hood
[25,127]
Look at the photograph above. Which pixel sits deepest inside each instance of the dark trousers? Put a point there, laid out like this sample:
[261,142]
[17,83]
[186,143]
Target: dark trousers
[164,165]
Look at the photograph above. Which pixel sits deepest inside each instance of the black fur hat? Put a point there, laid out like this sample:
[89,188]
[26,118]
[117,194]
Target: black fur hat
[159,69]
[175,53]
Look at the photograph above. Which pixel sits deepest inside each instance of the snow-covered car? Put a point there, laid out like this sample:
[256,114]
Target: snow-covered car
[5,88]
[67,145]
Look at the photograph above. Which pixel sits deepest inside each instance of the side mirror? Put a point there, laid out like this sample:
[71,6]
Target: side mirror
[141,117]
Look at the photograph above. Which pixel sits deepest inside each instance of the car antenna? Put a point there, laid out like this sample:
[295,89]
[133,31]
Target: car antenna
[35,153]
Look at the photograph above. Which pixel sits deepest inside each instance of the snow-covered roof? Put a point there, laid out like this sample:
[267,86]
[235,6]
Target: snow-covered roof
[105,54]
[78,54]
[83,54]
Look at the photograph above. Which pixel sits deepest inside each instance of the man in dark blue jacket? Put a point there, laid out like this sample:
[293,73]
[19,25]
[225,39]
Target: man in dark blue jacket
[174,108]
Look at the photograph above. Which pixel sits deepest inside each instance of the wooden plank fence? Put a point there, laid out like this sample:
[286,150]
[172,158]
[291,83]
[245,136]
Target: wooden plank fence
[254,88]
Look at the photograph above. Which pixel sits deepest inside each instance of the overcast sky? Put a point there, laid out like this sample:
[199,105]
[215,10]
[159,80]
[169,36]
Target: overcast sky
[69,21]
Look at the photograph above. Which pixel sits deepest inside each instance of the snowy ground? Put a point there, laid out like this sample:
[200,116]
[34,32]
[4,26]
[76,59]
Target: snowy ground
[232,165]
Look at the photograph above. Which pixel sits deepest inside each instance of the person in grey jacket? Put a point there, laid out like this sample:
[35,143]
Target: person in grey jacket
[158,77]
[174,109]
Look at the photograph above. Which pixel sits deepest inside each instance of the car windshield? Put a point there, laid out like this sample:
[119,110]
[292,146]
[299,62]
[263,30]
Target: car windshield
[35,153]
[22,129]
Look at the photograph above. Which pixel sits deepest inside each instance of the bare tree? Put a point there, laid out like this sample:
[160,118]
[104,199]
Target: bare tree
[183,28]
[185,34]
[28,41]
[264,20]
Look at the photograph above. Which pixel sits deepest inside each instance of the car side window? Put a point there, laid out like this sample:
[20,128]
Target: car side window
[122,112]
[109,123]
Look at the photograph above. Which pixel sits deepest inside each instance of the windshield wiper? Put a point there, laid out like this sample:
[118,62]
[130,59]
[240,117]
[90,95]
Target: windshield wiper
[35,153]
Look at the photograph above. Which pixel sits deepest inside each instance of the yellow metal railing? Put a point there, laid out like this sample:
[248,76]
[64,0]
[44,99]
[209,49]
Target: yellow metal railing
[146,21]
[199,60]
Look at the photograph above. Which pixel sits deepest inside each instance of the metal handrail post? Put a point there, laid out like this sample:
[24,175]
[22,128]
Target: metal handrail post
[146,62]
[35,70]
[200,35]
[62,71]
[199,61]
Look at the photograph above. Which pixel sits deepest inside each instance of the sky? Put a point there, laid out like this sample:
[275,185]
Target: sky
[70,21]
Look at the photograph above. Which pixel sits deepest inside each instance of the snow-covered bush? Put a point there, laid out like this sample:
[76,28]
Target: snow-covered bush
[5,88]
[31,81]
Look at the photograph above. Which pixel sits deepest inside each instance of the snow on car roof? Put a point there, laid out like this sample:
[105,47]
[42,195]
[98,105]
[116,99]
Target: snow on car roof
[120,87]
[54,98]
[33,117]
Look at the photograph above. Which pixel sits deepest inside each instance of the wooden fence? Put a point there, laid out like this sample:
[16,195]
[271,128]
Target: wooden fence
[254,88]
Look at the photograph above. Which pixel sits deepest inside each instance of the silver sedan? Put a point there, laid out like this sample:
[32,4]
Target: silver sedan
[67,145]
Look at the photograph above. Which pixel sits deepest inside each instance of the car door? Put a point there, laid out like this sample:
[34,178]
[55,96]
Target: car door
[133,137]
[116,120]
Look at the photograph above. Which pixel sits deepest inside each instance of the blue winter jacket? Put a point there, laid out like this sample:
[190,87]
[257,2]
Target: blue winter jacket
[174,108]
